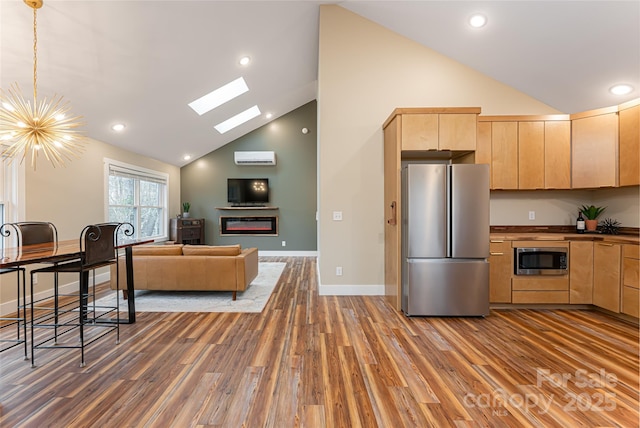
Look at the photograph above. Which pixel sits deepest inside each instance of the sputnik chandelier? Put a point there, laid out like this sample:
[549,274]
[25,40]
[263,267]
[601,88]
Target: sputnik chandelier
[45,126]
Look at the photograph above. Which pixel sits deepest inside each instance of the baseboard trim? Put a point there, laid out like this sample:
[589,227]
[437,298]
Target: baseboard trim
[11,306]
[287,253]
[351,290]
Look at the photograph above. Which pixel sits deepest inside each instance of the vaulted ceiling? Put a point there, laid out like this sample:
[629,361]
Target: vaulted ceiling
[141,62]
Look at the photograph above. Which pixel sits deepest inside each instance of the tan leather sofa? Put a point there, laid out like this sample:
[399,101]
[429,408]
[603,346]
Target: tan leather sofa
[190,268]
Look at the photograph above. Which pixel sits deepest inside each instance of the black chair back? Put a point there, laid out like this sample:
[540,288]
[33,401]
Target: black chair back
[31,232]
[99,243]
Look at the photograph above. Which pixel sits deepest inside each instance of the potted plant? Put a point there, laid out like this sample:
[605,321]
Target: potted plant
[186,206]
[591,214]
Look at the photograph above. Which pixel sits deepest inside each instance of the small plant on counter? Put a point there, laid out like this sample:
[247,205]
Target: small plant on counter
[186,206]
[610,226]
[592,212]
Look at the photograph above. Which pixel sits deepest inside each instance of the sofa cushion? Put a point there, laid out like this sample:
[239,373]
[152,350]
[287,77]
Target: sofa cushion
[157,250]
[211,250]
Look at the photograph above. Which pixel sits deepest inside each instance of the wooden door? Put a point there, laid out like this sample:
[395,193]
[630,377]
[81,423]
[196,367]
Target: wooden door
[457,131]
[392,211]
[504,155]
[606,275]
[629,146]
[594,151]
[419,131]
[500,270]
[531,155]
[557,154]
[581,272]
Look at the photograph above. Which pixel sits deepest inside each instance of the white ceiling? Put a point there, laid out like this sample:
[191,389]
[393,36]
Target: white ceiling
[141,62]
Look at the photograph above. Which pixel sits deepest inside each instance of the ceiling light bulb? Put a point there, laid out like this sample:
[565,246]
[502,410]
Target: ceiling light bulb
[118,127]
[186,157]
[622,89]
[245,60]
[478,20]
[269,115]
[8,107]
[59,117]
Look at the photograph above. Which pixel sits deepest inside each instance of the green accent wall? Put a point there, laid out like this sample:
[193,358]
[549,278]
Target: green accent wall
[292,183]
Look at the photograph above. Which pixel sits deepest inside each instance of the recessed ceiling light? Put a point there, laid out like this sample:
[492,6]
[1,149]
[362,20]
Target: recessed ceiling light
[478,20]
[238,119]
[622,89]
[245,60]
[268,115]
[186,157]
[118,127]
[220,96]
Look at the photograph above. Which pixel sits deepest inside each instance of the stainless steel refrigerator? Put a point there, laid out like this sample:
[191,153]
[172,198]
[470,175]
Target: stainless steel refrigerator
[445,240]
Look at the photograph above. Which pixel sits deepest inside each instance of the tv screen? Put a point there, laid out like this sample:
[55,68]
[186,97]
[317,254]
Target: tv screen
[247,191]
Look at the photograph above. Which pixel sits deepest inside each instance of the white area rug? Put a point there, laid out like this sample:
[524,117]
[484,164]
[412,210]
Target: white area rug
[253,299]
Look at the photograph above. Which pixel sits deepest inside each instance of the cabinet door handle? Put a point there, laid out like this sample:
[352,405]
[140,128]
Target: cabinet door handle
[496,254]
[393,220]
[497,241]
[605,245]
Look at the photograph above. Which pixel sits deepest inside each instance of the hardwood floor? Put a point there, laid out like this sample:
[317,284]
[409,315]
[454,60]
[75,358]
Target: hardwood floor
[326,361]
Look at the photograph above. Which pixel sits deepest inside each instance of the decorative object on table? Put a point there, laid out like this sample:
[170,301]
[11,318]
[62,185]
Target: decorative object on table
[45,126]
[186,206]
[610,226]
[591,214]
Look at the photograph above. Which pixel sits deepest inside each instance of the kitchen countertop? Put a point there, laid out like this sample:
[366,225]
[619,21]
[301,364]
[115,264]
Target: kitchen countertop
[563,236]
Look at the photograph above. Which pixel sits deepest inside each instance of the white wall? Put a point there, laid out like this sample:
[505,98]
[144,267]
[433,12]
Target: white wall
[365,71]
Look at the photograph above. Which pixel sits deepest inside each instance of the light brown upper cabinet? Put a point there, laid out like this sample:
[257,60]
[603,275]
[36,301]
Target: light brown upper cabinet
[557,153]
[530,155]
[629,126]
[526,152]
[594,148]
[424,129]
[504,155]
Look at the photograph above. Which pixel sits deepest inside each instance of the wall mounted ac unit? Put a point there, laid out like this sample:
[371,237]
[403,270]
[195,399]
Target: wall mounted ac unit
[254,158]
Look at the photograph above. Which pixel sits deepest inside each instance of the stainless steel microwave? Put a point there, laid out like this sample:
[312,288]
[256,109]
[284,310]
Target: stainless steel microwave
[541,261]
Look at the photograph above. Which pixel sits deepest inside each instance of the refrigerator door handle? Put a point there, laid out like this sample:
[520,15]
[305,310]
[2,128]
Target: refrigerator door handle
[448,211]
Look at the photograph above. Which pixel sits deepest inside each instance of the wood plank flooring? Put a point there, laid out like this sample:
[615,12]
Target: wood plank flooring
[327,361]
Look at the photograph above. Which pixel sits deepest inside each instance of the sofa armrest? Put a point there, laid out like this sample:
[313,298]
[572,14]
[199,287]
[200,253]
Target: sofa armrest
[247,267]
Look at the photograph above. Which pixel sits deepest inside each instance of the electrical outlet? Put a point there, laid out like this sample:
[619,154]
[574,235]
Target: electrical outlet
[284,243]
[337,216]
[532,215]
[338,270]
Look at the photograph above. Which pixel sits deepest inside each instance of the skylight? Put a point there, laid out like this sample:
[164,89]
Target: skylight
[220,96]
[238,119]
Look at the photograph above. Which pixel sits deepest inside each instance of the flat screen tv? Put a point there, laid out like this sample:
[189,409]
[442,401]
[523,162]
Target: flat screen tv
[247,191]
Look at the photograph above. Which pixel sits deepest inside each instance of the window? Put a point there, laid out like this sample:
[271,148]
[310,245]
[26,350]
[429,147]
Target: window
[137,196]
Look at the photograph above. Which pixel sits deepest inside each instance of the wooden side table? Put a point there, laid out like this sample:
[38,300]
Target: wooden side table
[187,230]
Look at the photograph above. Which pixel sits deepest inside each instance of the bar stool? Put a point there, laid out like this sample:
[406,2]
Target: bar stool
[98,244]
[25,233]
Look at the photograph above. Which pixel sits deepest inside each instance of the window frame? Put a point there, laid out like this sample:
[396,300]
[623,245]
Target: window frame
[153,176]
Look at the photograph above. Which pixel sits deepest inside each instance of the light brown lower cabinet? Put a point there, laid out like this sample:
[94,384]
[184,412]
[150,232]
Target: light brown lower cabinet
[607,262]
[630,275]
[500,271]
[581,272]
[540,290]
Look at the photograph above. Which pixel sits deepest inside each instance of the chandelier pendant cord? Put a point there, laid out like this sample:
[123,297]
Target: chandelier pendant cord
[35,57]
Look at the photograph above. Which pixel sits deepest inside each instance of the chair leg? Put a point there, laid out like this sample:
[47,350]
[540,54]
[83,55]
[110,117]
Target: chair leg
[33,357]
[234,295]
[24,309]
[55,308]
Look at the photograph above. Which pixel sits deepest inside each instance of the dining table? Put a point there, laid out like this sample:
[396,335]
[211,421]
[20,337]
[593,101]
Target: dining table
[68,250]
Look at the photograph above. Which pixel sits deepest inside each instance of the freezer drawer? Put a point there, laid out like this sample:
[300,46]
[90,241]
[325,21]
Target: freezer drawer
[448,287]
